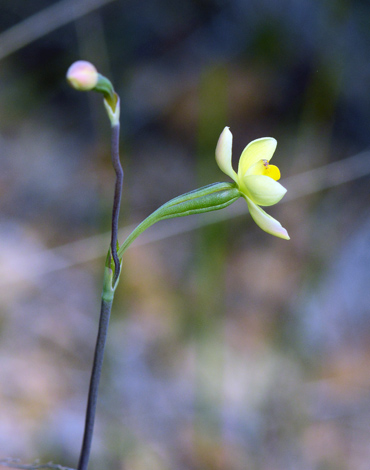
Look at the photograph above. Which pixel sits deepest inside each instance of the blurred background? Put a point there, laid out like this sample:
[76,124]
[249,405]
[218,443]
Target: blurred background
[228,349]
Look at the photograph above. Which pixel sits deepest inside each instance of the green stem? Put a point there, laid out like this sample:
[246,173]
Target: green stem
[209,198]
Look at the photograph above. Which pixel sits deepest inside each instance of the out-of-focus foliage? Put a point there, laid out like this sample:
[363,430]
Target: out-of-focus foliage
[228,349]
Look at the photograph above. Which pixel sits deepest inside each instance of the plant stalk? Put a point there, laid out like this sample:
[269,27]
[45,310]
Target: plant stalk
[117,198]
[110,283]
[105,310]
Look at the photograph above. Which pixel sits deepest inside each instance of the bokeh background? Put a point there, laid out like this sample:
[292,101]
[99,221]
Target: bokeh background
[228,349]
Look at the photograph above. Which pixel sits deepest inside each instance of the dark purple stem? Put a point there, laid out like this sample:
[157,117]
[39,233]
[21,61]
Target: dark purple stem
[106,307]
[117,198]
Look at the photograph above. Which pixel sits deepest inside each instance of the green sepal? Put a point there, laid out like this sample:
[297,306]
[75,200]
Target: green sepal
[206,199]
[209,198]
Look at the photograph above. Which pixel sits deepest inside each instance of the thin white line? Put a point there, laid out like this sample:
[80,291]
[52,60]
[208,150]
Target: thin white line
[88,249]
[43,22]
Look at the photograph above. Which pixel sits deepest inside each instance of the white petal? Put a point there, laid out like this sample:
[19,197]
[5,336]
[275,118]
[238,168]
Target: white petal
[263,190]
[256,150]
[266,222]
[223,153]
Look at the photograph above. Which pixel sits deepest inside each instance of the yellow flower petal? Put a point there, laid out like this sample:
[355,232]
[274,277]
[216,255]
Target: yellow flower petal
[263,190]
[260,149]
[266,222]
[223,153]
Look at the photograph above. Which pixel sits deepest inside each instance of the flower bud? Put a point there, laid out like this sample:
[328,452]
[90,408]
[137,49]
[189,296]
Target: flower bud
[82,75]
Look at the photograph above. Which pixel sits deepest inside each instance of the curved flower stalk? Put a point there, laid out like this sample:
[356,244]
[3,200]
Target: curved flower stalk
[256,178]
[83,76]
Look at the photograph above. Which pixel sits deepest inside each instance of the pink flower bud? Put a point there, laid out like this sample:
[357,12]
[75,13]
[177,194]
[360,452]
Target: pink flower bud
[82,75]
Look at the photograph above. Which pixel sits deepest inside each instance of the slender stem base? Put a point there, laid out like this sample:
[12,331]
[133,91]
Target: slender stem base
[106,307]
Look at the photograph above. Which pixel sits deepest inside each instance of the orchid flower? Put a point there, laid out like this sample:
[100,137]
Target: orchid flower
[256,178]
